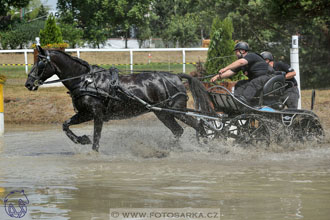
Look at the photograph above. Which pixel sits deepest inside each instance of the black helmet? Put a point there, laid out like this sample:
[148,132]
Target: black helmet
[242,46]
[267,55]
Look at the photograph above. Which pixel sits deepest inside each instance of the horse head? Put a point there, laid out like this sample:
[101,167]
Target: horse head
[41,70]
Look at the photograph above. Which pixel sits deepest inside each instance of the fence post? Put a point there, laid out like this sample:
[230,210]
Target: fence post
[184,60]
[2,118]
[26,62]
[78,53]
[294,58]
[131,60]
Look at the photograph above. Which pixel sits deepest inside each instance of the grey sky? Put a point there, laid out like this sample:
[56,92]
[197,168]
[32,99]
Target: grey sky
[50,3]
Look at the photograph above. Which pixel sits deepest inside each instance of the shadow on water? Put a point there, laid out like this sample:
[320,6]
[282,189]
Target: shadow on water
[52,153]
[141,166]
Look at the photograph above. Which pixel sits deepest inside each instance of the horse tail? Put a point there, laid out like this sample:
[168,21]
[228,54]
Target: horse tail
[201,97]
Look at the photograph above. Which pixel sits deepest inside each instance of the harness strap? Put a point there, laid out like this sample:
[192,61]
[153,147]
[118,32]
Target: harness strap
[95,91]
[67,79]
[77,93]
[132,96]
[186,111]
[169,99]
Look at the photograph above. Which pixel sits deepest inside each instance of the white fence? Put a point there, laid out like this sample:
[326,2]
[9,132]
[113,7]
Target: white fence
[130,51]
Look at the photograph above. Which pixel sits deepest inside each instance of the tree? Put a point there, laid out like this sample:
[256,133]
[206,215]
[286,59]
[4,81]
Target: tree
[183,30]
[51,34]
[72,34]
[128,13]
[42,11]
[143,33]
[205,13]
[35,10]
[7,4]
[175,21]
[96,35]
[98,18]
[7,8]
[311,21]
[220,52]
[69,10]
[20,34]
[89,17]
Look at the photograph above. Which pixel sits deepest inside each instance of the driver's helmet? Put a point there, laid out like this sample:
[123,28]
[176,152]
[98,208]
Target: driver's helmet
[242,46]
[267,55]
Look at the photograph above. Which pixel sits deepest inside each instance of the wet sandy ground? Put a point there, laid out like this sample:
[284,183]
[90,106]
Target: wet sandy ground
[139,167]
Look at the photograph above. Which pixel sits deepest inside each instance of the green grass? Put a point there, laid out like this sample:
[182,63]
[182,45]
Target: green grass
[14,72]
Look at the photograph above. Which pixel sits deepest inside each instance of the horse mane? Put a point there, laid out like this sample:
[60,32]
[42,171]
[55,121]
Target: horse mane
[76,59]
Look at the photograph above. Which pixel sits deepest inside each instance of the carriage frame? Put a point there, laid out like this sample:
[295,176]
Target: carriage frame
[255,125]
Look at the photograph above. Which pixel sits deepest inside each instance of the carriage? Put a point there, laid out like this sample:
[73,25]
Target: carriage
[265,122]
[262,123]
[102,95]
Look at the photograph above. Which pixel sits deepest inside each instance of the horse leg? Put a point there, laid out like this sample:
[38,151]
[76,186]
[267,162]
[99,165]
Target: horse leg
[170,122]
[98,124]
[192,122]
[74,120]
[188,120]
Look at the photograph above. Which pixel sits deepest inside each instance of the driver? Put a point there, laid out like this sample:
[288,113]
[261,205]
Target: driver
[253,66]
[291,92]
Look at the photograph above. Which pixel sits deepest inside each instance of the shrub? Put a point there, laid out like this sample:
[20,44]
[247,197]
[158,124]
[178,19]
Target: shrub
[51,34]
[220,52]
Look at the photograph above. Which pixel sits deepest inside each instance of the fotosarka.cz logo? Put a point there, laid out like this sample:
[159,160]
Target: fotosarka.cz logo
[164,213]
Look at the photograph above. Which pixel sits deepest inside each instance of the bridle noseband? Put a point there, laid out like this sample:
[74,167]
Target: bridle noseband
[45,59]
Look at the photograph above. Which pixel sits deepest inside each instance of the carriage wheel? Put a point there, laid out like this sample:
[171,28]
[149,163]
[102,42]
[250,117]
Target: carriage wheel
[306,128]
[212,129]
[249,130]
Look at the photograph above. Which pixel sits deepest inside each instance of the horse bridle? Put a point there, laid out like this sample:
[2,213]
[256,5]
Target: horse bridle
[45,60]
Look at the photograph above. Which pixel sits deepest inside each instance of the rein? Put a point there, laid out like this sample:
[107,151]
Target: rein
[67,79]
[206,77]
[47,60]
[39,82]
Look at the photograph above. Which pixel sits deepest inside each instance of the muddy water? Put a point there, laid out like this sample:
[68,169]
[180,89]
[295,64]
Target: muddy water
[140,166]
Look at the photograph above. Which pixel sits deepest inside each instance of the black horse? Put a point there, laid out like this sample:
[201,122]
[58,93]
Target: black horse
[162,89]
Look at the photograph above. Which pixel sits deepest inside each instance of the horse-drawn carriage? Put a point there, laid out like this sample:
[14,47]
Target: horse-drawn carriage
[261,124]
[101,95]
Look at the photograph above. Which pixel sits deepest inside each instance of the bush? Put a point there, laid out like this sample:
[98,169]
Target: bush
[20,34]
[51,34]
[5,40]
[220,52]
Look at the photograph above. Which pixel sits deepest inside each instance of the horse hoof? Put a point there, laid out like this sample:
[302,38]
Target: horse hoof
[95,148]
[84,140]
